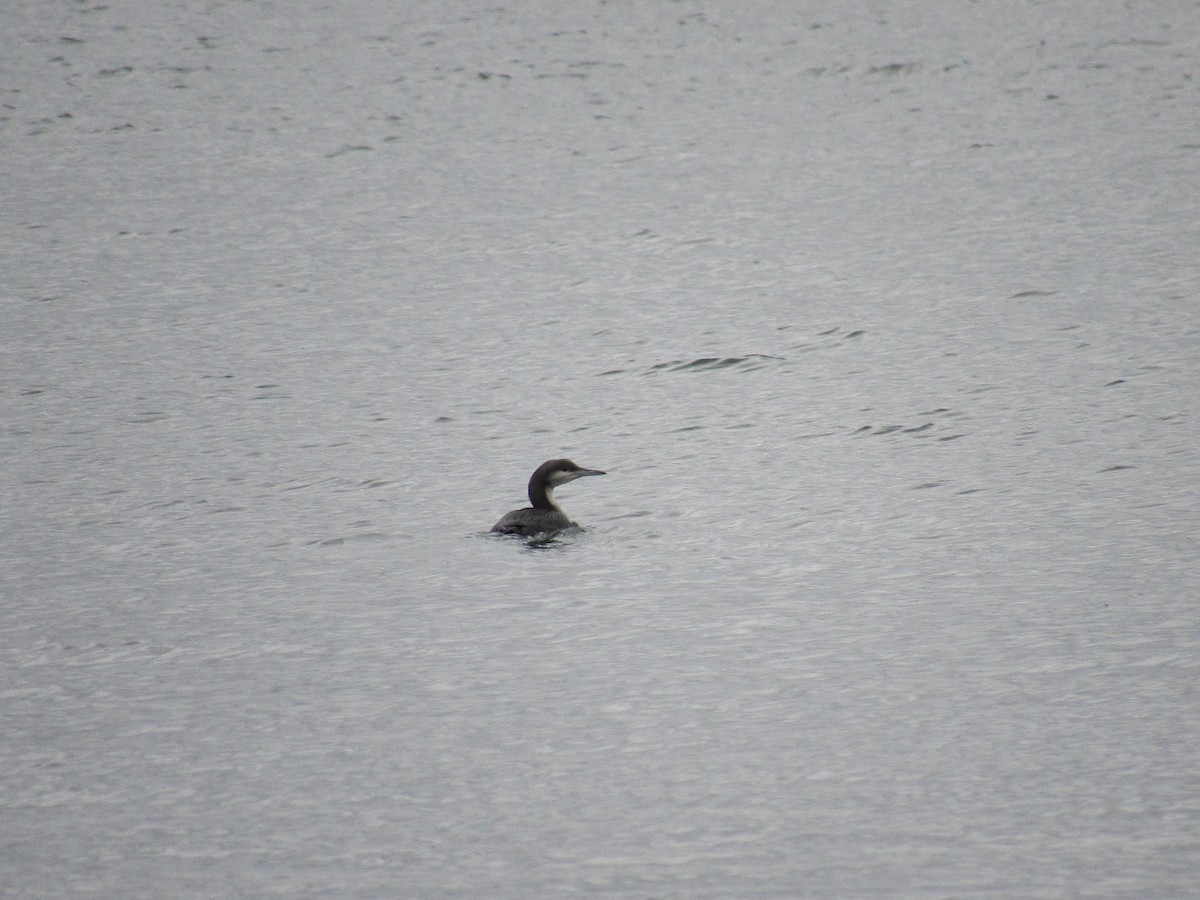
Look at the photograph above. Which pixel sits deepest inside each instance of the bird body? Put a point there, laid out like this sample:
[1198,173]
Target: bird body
[544,516]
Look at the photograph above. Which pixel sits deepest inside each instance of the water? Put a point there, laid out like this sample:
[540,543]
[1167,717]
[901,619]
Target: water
[882,320]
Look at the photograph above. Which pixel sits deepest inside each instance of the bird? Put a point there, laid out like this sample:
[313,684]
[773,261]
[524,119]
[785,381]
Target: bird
[544,516]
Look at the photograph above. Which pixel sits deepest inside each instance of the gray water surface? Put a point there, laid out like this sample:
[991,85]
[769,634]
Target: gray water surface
[884,321]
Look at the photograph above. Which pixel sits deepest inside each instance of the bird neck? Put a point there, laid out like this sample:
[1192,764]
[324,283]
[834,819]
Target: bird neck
[542,497]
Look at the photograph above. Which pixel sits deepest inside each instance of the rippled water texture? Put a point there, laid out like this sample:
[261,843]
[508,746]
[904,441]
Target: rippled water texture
[883,320]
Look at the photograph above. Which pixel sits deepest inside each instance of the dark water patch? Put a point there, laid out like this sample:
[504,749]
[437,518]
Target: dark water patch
[837,332]
[926,429]
[348,149]
[708,363]
[1035,293]
[546,541]
[148,417]
[342,540]
[543,543]
[818,71]
[596,63]
[893,69]
[927,485]
[295,485]
[1118,468]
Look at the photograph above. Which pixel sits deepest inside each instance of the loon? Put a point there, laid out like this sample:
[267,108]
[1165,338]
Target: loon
[545,516]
